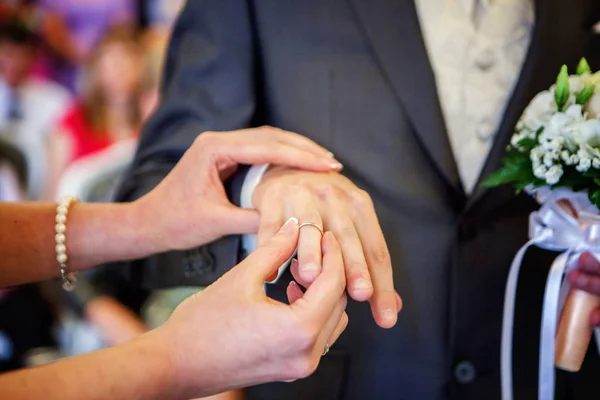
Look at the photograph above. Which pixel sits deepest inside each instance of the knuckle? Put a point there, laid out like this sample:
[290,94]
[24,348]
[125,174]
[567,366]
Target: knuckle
[361,199]
[380,255]
[305,366]
[346,230]
[329,191]
[356,267]
[208,138]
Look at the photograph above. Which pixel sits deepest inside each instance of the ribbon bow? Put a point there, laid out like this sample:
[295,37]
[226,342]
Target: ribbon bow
[550,228]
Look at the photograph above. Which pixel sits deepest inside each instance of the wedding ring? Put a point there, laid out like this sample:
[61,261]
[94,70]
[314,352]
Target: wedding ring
[312,224]
[326,349]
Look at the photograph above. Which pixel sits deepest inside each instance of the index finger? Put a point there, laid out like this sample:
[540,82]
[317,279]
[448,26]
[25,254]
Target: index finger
[249,150]
[322,296]
[293,139]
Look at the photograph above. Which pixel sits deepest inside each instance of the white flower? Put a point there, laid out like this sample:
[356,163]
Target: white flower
[576,83]
[585,161]
[540,172]
[539,111]
[586,132]
[554,174]
[592,107]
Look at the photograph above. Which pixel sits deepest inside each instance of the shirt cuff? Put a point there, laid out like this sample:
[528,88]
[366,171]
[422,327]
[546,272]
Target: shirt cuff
[251,181]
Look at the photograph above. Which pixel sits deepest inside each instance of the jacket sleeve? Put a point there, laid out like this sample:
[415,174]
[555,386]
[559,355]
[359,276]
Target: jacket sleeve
[207,86]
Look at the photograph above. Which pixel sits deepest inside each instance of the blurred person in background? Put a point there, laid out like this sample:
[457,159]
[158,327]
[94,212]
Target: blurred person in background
[107,307]
[74,27]
[29,107]
[108,111]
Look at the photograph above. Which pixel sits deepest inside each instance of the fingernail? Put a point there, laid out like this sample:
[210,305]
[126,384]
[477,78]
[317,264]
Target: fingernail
[336,166]
[389,315]
[330,154]
[362,284]
[290,225]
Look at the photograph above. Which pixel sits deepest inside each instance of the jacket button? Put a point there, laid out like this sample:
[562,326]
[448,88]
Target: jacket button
[465,372]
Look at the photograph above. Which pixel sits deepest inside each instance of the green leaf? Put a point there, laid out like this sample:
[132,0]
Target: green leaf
[585,95]
[527,143]
[592,173]
[516,169]
[561,92]
[539,132]
[583,67]
[594,196]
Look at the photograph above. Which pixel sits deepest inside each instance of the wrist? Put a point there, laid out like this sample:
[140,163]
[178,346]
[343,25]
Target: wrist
[270,174]
[178,377]
[161,374]
[150,227]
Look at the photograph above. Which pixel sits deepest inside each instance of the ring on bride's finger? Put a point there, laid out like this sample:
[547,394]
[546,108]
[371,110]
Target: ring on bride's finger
[326,349]
[312,224]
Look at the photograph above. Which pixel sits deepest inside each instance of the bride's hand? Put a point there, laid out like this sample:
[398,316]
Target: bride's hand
[232,335]
[190,206]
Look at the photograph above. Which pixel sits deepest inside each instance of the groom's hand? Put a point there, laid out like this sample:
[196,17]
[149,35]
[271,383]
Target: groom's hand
[587,277]
[334,203]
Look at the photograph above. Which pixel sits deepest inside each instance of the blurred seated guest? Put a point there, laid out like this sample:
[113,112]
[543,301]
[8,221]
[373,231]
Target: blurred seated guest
[108,111]
[74,27]
[108,306]
[20,334]
[29,108]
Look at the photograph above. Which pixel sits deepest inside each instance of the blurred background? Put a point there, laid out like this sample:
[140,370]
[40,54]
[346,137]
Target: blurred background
[77,80]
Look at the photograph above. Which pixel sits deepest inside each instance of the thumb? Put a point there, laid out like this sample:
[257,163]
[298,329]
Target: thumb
[267,258]
[238,221]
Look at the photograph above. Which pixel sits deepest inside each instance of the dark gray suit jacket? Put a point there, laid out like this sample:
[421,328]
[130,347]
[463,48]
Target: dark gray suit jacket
[354,76]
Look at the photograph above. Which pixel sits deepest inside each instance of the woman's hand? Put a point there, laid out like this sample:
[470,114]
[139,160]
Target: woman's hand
[190,206]
[231,335]
[586,277]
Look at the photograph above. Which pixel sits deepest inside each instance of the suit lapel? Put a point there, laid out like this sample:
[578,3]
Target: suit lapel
[392,28]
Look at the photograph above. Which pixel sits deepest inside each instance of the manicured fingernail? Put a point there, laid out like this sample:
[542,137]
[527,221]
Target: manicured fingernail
[290,225]
[362,284]
[389,315]
[336,166]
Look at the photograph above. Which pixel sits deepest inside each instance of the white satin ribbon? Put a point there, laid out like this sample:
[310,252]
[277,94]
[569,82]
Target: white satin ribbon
[550,228]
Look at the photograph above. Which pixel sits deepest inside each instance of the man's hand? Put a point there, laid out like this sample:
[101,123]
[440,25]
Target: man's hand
[587,277]
[337,205]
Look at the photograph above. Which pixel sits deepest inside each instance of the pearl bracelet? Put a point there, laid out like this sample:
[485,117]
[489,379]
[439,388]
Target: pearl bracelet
[69,280]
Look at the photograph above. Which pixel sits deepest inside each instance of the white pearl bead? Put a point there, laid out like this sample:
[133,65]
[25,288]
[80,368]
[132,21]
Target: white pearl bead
[61,248]
[61,219]
[61,258]
[62,210]
[60,228]
[60,238]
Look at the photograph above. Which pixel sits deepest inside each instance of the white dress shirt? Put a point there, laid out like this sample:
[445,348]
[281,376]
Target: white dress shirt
[40,105]
[476,49]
